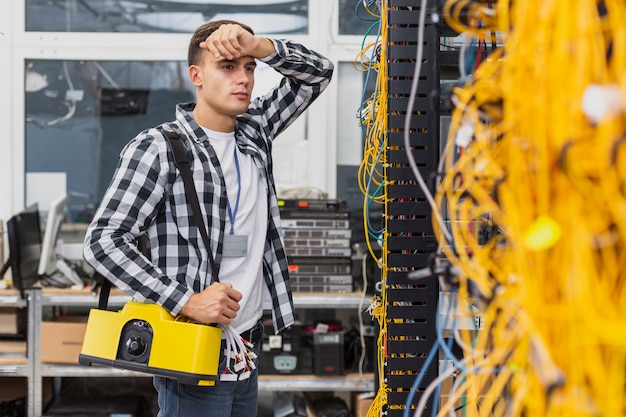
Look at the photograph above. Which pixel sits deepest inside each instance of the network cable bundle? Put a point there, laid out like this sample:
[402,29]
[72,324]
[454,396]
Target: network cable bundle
[527,208]
[402,131]
[317,241]
[537,151]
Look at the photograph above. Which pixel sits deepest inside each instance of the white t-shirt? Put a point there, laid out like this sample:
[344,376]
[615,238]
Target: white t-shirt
[244,273]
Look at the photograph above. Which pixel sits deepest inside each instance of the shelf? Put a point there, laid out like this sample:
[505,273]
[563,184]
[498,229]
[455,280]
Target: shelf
[329,300]
[7,361]
[13,359]
[80,298]
[87,371]
[29,365]
[349,382]
[14,369]
[87,298]
[11,298]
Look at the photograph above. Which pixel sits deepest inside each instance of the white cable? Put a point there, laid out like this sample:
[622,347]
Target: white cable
[452,394]
[429,390]
[71,107]
[235,346]
[106,75]
[447,373]
[407,122]
[464,46]
[70,84]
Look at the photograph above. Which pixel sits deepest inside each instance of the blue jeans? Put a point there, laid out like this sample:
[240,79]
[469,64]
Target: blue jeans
[224,399]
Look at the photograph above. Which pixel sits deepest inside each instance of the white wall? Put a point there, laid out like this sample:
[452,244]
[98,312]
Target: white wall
[6,110]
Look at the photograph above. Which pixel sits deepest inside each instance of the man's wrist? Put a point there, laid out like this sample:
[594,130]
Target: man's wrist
[265,48]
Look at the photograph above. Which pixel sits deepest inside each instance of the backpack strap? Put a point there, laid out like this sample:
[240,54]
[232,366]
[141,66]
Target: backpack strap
[181,160]
[184,166]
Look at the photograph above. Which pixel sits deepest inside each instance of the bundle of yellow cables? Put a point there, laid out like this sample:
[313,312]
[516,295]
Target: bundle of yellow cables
[537,148]
[373,118]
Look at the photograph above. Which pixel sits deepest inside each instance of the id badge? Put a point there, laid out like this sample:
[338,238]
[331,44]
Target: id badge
[235,245]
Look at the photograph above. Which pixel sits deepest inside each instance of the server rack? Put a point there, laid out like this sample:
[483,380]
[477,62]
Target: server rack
[411,304]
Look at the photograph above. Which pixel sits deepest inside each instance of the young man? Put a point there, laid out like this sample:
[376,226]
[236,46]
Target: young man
[228,138]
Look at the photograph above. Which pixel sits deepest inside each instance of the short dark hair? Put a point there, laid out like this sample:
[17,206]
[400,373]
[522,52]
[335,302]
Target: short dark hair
[195,52]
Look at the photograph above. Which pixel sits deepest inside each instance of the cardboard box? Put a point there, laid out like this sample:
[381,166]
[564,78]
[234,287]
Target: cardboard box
[12,352]
[361,403]
[12,321]
[61,340]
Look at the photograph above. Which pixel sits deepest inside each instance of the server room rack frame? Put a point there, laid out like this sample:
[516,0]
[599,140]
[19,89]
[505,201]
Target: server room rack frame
[411,304]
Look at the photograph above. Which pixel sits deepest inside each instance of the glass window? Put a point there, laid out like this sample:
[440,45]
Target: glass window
[167,16]
[80,114]
[356,17]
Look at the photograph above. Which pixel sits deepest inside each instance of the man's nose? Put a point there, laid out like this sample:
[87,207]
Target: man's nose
[243,76]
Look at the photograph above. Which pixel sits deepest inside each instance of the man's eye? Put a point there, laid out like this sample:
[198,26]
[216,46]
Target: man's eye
[227,66]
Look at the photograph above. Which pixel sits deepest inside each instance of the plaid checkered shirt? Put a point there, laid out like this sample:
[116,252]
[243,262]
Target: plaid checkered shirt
[146,195]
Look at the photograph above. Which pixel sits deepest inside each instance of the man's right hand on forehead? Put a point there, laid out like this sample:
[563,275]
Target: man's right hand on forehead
[231,41]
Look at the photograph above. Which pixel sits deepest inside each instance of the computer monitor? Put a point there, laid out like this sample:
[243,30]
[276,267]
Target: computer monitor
[56,214]
[24,233]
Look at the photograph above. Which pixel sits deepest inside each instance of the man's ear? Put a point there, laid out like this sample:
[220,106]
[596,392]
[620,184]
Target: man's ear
[195,75]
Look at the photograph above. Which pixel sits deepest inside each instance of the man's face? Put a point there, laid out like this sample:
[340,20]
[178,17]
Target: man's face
[223,86]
